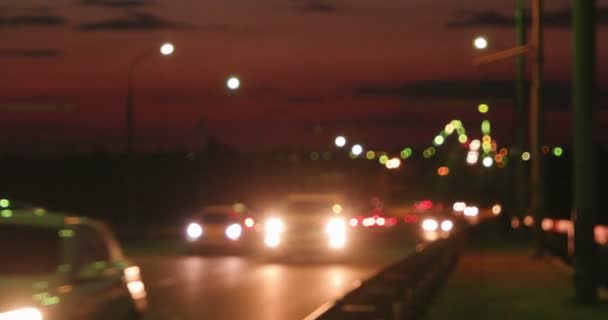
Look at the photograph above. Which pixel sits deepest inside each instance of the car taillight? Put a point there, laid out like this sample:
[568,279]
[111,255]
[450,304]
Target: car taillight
[249,222]
[353,222]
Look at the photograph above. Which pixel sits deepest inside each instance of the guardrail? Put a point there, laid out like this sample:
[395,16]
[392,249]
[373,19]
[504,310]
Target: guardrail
[403,290]
[559,241]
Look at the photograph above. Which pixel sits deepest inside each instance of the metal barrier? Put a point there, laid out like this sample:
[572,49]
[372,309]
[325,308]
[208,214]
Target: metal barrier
[404,290]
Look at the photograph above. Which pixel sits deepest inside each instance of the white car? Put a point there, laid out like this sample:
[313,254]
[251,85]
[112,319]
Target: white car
[59,267]
[312,223]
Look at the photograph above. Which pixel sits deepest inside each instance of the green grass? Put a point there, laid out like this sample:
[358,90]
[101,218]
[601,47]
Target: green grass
[498,280]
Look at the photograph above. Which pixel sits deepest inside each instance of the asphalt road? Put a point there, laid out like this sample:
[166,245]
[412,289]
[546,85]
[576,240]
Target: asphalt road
[182,287]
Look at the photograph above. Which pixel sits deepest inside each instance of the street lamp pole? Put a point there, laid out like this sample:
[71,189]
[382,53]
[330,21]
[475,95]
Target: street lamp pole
[520,113]
[585,183]
[536,124]
[166,49]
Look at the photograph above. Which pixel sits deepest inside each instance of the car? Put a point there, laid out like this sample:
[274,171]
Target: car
[57,267]
[307,223]
[225,227]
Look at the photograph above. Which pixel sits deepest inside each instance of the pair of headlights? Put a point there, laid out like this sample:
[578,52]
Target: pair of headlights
[194,231]
[431,225]
[335,230]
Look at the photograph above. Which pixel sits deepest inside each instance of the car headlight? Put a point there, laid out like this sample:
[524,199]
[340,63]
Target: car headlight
[22,314]
[233,231]
[430,225]
[194,231]
[447,225]
[336,230]
[274,226]
[272,232]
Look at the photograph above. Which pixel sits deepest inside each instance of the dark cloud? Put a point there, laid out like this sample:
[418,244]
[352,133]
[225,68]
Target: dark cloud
[317,6]
[41,19]
[30,53]
[135,21]
[557,95]
[561,18]
[118,3]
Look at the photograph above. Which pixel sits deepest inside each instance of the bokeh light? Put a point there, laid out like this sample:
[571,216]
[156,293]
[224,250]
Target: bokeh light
[340,141]
[483,108]
[525,156]
[233,83]
[357,150]
[167,49]
[558,152]
[480,43]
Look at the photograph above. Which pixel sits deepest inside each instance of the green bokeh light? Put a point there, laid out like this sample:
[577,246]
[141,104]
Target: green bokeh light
[383,159]
[5,203]
[558,151]
[370,155]
[483,108]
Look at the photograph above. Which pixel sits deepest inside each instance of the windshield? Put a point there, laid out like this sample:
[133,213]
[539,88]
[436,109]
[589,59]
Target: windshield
[310,207]
[216,217]
[26,250]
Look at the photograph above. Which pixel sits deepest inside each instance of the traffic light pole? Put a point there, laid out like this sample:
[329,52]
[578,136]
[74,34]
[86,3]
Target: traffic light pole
[585,183]
[536,125]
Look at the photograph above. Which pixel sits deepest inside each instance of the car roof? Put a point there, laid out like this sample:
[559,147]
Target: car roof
[42,218]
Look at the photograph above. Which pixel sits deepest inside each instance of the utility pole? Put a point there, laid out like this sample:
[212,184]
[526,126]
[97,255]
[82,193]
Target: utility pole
[585,183]
[520,112]
[536,124]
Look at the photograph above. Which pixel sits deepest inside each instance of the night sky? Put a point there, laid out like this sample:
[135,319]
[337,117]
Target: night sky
[385,73]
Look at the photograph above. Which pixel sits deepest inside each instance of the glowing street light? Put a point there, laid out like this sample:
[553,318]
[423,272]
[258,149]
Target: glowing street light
[488,162]
[483,108]
[233,83]
[480,43]
[357,150]
[340,141]
[167,49]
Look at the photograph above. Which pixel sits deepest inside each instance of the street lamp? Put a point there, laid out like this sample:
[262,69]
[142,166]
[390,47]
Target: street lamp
[166,49]
[340,141]
[357,150]
[480,43]
[233,83]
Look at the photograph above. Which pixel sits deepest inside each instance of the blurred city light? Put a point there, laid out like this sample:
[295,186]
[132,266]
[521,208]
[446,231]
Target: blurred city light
[340,141]
[438,140]
[167,49]
[486,127]
[327,156]
[456,124]
[483,108]
[430,225]
[449,128]
[370,155]
[447,225]
[337,208]
[515,223]
[194,231]
[475,145]
[353,222]
[5,203]
[406,153]
[463,138]
[496,209]
[488,162]
[558,152]
[471,211]
[461,130]
[480,43]
[233,83]
[383,159]
[504,152]
[357,150]
[443,171]
[249,223]
[394,163]
[380,221]
[545,149]
[314,156]
[6,213]
[472,157]
[22,314]
[528,221]
[525,156]
[459,206]
[233,232]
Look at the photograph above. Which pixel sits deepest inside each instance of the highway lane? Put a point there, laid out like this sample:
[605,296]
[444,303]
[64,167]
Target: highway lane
[249,288]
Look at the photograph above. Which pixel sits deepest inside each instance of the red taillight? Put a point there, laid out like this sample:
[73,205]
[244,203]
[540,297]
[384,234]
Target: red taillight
[249,222]
[380,221]
[368,222]
[353,222]
[392,221]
